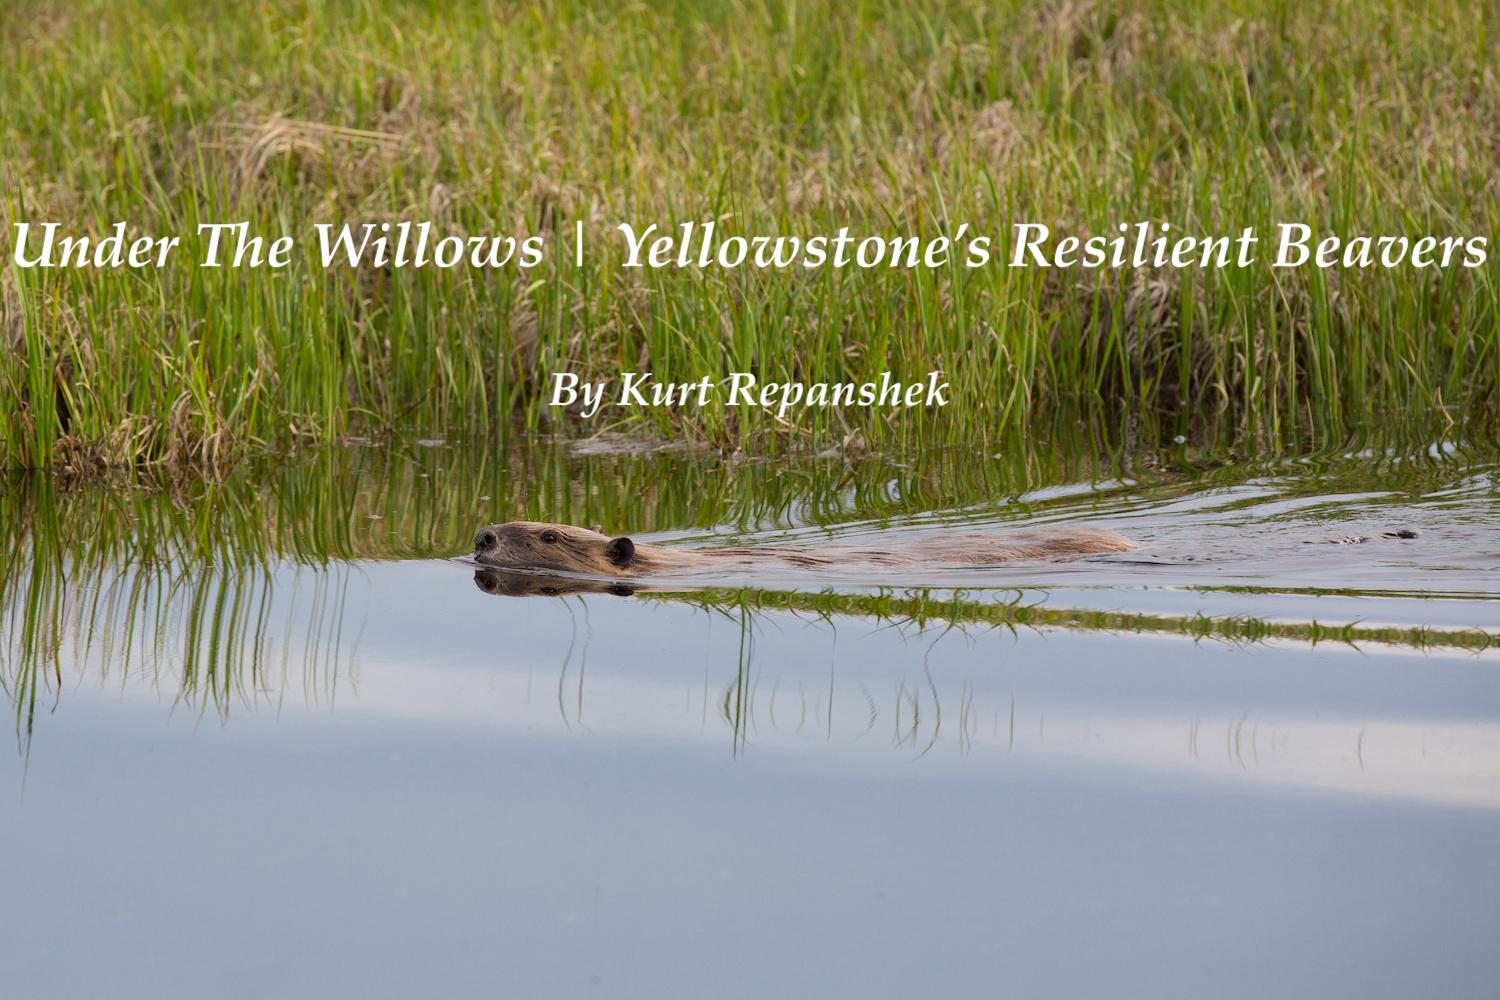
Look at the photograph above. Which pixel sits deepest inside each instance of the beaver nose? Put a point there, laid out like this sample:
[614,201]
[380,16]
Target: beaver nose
[486,540]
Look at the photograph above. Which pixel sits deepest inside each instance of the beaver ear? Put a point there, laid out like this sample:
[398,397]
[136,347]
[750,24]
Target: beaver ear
[620,551]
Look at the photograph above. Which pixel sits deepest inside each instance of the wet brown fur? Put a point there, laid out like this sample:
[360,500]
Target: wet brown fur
[561,548]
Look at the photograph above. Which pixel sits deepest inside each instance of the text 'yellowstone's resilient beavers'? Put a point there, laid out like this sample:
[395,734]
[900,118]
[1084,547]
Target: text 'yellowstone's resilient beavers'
[641,389]
[1131,244]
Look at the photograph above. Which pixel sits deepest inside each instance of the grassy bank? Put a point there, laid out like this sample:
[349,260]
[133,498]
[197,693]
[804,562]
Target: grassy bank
[1354,117]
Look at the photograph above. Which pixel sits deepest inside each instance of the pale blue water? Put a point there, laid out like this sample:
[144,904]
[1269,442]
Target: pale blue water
[393,784]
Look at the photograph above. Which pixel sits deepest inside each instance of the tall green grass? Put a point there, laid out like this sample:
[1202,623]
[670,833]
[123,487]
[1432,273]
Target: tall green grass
[1364,116]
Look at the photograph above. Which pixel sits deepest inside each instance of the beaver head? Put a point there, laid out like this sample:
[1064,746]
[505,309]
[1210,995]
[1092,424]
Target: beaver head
[555,548]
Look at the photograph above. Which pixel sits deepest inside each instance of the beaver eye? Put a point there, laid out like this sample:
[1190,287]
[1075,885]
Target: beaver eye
[550,537]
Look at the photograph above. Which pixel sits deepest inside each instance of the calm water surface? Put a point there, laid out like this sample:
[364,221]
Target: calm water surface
[271,739]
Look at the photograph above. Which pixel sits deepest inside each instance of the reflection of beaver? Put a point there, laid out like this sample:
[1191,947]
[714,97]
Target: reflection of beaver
[559,548]
[502,584]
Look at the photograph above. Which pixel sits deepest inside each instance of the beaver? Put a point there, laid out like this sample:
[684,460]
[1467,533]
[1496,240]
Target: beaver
[561,548]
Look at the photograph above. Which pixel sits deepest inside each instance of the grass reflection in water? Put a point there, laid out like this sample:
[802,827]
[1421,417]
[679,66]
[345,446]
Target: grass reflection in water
[236,591]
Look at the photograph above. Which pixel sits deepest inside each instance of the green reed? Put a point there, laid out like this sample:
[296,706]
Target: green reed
[1372,116]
